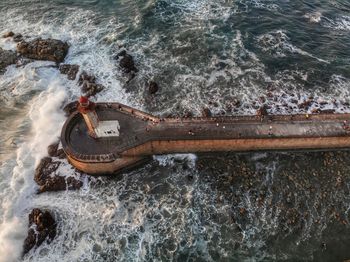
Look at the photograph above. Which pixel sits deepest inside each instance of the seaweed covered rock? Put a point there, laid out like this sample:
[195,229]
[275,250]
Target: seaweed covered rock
[47,180]
[7,58]
[70,70]
[44,49]
[42,226]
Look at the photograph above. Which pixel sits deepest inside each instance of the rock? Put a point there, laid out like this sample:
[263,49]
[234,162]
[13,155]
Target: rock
[327,111]
[48,181]
[44,49]
[7,58]
[21,61]
[153,87]
[126,62]
[70,108]
[52,149]
[187,114]
[91,89]
[70,70]
[86,77]
[8,34]
[262,111]
[61,154]
[88,84]
[17,38]
[42,226]
[305,105]
[206,112]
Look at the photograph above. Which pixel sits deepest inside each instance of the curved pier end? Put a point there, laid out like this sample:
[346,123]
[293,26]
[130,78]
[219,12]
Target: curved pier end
[142,135]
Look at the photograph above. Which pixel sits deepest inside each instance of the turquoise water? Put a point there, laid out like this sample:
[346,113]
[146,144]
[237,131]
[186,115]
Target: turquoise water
[230,56]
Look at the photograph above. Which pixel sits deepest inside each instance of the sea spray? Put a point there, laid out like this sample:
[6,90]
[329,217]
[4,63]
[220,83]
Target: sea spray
[46,119]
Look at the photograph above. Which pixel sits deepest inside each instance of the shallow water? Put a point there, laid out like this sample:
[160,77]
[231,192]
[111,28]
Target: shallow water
[230,56]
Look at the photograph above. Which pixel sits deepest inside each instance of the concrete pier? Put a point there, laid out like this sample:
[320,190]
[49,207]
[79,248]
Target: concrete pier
[142,135]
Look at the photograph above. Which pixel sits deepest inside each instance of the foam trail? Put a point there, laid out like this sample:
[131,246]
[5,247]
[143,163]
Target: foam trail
[47,119]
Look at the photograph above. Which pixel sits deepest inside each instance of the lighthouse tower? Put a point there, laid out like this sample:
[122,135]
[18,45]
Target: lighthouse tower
[96,127]
[87,109]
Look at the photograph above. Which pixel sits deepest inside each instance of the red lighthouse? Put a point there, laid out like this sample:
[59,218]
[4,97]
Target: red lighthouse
[87,109]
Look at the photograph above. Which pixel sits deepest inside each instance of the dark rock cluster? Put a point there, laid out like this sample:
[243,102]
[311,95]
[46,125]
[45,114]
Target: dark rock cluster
[305,191]
[44,49]
[45,175]
[42,226]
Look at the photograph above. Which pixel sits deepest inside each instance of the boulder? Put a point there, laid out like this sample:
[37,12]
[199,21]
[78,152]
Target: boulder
[262,111]
[70,70]
[88,84]
[61,154]
[306,104]
[70,108]
[126,62]
[44,49]
[206,112]
[8,34]
[17,38]
[52,149]
[153,87]
[86,77]
[91,89]
[42,226]
[48,181]
[7,58]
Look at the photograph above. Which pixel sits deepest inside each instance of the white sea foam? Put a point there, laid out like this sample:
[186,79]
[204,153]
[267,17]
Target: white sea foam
[278,43]
[170,159]
[341,23]
[314,17]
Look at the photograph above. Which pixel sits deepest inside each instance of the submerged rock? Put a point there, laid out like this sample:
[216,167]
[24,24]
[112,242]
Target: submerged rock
[44,49]
[53,151]
[49,181]
[153,87]
[7,58]
[42,226]
[70,70]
